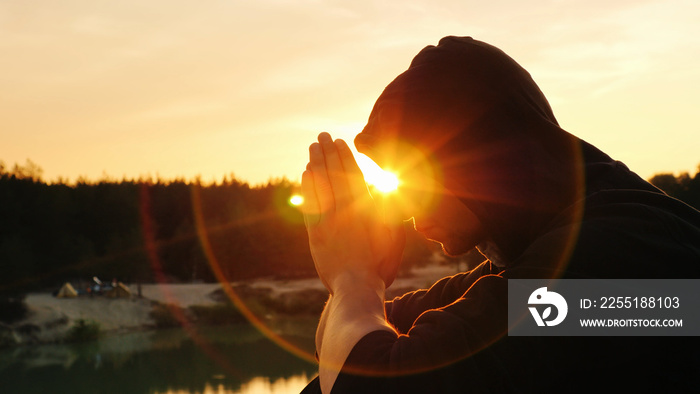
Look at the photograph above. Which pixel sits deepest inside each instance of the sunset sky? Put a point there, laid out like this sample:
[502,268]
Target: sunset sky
[180,88]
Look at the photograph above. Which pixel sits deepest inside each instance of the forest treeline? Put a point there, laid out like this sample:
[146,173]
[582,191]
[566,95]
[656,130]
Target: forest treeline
[153,230]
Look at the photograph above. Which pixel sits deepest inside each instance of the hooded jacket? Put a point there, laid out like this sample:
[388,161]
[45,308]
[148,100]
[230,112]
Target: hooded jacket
[553,205]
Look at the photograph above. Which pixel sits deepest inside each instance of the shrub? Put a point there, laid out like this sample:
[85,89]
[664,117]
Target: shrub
[83,330]
[7,337]
[163,315]
[12,308]
[217,314]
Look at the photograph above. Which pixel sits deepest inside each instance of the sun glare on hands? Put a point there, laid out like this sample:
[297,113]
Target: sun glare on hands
[384,181]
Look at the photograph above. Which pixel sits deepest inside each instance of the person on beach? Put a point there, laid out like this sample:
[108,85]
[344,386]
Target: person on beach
[484,163]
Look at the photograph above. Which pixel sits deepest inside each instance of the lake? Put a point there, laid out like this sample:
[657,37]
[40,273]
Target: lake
[222,360]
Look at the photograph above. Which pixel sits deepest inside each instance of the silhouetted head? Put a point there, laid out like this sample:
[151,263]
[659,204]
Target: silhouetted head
[476,144]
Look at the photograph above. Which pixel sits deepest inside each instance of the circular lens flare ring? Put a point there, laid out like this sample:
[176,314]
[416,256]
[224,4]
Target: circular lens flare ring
[217,270]
[151,246]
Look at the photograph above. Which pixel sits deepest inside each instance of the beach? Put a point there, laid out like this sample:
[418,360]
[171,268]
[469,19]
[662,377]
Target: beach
[50,318]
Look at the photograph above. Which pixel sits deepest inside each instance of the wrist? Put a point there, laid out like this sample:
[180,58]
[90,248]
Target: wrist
[353,282]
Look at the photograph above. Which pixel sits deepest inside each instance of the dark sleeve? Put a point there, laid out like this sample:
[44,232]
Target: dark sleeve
[623,235]
[402,311]
[314,387]
[384,362]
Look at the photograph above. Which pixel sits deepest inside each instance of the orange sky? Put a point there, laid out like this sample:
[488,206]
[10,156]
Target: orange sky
[180,88]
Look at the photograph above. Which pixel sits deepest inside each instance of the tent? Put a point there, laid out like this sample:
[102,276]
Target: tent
[67,291]
[119,291]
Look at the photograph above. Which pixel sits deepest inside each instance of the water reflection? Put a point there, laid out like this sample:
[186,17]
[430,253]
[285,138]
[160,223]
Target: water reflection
[259,385]
[231,360]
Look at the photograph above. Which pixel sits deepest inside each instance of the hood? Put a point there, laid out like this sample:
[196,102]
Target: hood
[485,123]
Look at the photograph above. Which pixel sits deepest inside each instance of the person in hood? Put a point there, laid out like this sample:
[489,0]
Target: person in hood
[484,163]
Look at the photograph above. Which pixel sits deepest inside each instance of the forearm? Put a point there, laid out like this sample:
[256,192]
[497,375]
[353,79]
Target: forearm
[321,327]
[355,309]
[355,253]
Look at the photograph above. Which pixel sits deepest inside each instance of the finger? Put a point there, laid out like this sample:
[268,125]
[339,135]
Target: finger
[336,173]
[322,185]
[356,181]
[310,208]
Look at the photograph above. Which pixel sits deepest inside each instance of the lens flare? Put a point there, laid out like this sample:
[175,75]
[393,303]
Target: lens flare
[409,188]
[296,200]
[225,281]
[383,180]
[386,182]
[151,247]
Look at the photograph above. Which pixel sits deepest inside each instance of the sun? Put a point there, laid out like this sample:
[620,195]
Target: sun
[296,200]
[384,181]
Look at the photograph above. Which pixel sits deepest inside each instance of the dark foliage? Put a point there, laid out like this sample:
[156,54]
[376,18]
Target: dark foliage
[217,314]
[149,230]
[168,315]
[682,187]
[12,308]
[83,331]
[146,230]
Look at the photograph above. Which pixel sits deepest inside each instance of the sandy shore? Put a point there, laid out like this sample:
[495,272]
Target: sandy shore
[50,318]
[54,316]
